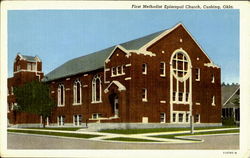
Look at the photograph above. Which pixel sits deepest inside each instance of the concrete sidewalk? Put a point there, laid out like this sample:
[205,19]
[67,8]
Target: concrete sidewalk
[145,136]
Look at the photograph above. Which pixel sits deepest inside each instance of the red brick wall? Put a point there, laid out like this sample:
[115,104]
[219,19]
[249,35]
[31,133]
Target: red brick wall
[20,78]
[131,107]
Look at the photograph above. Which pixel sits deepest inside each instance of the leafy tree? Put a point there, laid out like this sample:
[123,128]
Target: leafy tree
[34,97]
[236,101]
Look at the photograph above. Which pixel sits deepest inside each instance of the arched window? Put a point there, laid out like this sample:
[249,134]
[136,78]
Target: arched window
[180,65]
[60,95]
[96,89]
[77,92]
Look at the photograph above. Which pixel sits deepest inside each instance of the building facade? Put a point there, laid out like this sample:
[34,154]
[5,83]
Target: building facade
[26,69]
[164,77]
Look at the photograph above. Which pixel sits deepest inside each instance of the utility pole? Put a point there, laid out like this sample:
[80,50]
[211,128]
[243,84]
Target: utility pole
[191,124]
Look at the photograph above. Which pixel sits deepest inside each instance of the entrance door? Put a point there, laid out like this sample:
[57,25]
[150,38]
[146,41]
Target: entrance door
[116,106]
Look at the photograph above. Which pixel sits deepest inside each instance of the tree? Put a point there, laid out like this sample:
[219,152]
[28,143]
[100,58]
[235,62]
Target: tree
[34,97]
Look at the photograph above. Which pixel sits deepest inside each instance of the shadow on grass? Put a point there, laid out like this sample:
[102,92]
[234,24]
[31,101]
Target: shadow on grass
[54,133]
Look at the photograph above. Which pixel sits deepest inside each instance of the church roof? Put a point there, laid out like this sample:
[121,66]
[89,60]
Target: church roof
[94,60]
[28,58]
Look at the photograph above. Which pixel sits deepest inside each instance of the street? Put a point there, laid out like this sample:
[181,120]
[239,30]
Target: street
[24,141]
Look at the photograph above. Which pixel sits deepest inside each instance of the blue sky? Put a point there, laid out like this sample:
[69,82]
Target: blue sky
[59,35]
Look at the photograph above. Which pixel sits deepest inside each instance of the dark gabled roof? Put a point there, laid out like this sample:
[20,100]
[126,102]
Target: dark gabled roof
[228,94]
[138,43]
[29,58]
[95,60]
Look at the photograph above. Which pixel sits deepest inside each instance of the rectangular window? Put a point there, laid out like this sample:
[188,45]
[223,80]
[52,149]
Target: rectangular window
[163,117]
[187,95]
[144,69]
[29,66]
[180,117]
[60,120]
[197,74]
[18,67]
[12,90]
[144,95]
[213,100]
[96,116]
[123,69]
[180,96]
[77,120]
[12,106]
[113,71]
[197,118]
[174,94]
[119,70]
[174,117]
[33,67]
[212,81]
[187,117]
[162,69]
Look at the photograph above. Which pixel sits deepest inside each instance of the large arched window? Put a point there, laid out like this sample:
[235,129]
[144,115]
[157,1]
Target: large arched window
[77,92]
[60,95]
[96,89]
[180,65]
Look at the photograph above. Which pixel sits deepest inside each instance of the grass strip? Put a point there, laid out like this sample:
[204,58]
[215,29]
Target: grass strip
[61,129]
[131,139]
[153,130]
[173,136]
[54,133]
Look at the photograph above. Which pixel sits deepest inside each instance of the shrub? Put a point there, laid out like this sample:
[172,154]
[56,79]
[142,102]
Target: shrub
[228,121]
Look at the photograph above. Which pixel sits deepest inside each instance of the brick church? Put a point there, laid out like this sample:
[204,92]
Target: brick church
[164,77]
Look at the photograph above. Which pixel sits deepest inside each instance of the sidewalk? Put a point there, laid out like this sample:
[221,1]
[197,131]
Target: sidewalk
[145,136]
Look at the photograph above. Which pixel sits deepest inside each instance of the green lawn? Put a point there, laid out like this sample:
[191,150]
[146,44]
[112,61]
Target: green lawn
[54,133]
[131,139]
[61,129]
[172,136]
[153,130]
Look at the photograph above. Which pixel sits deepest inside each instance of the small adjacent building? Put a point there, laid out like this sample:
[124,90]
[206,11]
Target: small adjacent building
[230,102]
[164,78]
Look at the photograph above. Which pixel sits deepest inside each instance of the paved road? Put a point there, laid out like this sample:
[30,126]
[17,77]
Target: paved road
[23,141]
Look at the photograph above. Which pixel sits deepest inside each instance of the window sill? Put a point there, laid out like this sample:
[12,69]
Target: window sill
[75,104]
[180,102]
[162,75]
[197,79]
[117,75]
[144,100]
[213,104]
[96,102]
[60,105]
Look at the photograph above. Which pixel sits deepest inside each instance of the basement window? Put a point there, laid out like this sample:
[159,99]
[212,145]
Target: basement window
[163,117]
[96,115]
